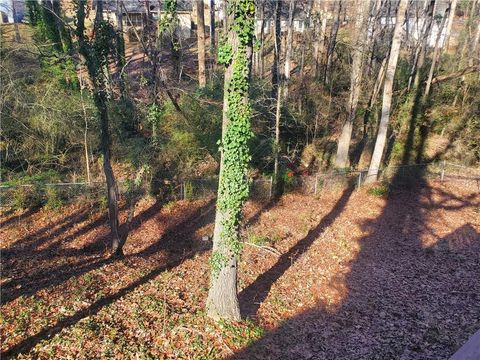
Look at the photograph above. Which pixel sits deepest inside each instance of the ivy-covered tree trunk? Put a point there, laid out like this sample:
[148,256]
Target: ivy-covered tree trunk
[233,185]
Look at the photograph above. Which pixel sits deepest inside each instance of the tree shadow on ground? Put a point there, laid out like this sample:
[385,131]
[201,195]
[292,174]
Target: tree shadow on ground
[176,244]
[18,218]
[252,296]
[30,270]
[405,300]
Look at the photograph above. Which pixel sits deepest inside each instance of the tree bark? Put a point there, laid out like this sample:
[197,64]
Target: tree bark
[332,42]
[387,94]
[276,78]
[15,23]
[421,48]
[306,37]
[99,97]
[85,131]
[289,45]
[222,301]
[276,151]
[120,38]
[212,27]
[359,45]
[319,31]
[202,79]
[436,53]
[451,17]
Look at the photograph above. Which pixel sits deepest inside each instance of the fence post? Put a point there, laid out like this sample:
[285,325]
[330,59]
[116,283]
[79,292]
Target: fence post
[442,174]
[271,186]
[359,181]
[316,184]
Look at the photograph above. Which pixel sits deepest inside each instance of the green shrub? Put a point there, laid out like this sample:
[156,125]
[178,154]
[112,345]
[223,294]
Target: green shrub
[379,191]
[258,239]
[288,179]
[53,198]
[188,190]
[25,197]
[103,201]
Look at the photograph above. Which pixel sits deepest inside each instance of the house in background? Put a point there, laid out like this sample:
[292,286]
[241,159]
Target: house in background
[3,17]
[7,11]
[135,14]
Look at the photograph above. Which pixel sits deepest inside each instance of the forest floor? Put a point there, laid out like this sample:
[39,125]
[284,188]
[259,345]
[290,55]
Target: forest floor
[353,275]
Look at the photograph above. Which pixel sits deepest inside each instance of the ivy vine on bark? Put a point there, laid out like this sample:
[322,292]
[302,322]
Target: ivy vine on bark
[233,186]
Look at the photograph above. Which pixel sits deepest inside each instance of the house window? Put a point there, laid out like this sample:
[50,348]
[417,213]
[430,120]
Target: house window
[133,19]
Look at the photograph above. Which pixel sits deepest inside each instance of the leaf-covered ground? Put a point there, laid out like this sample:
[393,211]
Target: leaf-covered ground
[345,275]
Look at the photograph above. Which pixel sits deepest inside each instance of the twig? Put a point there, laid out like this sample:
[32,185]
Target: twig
[266,248]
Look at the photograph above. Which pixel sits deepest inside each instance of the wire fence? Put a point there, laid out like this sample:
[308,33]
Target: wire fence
[31,195]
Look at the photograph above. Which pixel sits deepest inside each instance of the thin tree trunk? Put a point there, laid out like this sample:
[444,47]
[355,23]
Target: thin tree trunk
[120,38]
[289,45]
[474,45]
[373,96]
[421,48]
[212,27]
[277,139]
[306,35]
[99,97]
[451,17]
[225,16]
[277,49]
[424,46]
[320,28]
[261,63]
[85,131]
[15,23]
[112,191]
[387,94]
[436,53]
[359,46]
[332,43]
[99,11]
[202,79]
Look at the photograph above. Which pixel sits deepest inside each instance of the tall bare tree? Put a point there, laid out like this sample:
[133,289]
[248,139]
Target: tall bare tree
[15,22]
[202,79]
[95,60]
[451,16]
[289,45]
[387,94]
[435,55]
[212,26]
[359,46]
[332,42]
[320,28]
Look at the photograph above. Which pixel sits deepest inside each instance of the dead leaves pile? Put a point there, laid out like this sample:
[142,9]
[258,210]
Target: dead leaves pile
[355,276]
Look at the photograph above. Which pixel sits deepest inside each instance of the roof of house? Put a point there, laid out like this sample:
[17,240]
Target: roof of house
[138,6]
